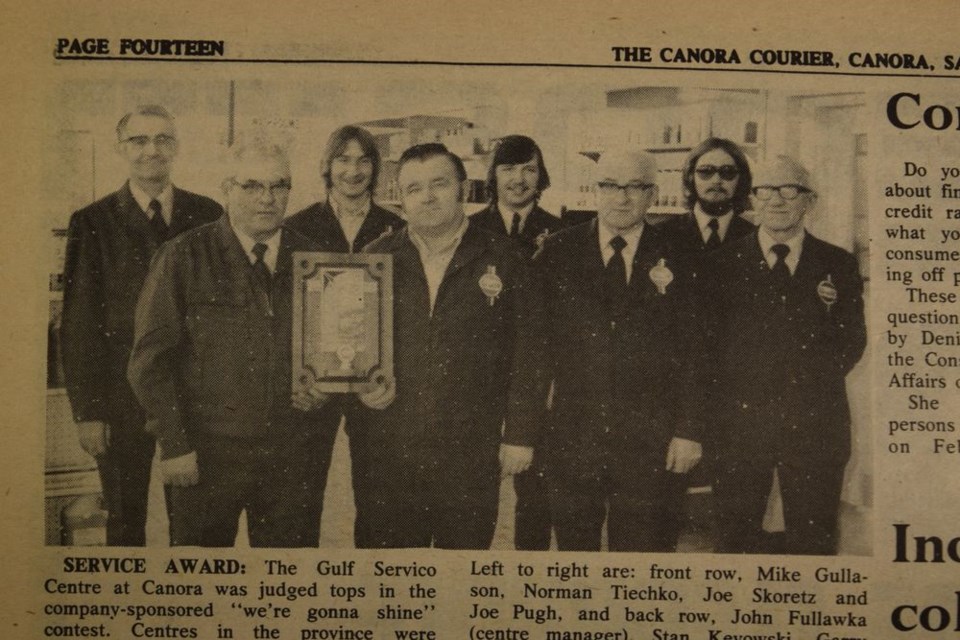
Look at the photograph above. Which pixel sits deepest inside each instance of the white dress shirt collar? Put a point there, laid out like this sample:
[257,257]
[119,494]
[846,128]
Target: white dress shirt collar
[632,238]
[165,198]
[273,248]
[795,243]
[506,213]
[350,222]
[435,263]
[703,221]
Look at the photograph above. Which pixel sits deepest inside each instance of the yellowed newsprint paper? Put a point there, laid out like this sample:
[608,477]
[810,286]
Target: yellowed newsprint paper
[691,269]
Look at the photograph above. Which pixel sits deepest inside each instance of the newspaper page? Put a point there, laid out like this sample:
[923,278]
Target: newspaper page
[673,340]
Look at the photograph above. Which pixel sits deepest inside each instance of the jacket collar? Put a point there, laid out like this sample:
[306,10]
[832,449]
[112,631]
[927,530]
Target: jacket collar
[181,219]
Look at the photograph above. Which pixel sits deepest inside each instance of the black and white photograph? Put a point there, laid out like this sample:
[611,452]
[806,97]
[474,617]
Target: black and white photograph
[458,309]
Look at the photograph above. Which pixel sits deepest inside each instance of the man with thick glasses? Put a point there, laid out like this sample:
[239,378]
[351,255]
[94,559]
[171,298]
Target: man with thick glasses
[109,247]
[211,364]
[786,327]
[618,442]
[345,222]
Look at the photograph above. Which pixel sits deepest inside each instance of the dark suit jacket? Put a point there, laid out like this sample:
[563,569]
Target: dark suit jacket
[538,223]
[684,233]
[319,223]
[109,246]
[212,353]
[781,362]
[617,392]
[454,367]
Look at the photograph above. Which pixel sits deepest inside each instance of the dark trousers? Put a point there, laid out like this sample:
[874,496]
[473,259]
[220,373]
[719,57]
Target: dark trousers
[434,496]
[811,501]
[532,524]
[356,430]
[638,503]
[125,480]
[279,480]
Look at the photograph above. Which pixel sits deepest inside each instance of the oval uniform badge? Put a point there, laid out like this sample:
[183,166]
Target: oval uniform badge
[491,284]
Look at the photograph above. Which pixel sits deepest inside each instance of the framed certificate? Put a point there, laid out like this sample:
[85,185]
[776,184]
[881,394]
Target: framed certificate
[342,321]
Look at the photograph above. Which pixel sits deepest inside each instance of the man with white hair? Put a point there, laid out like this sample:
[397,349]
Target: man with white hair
[787,325]
[211,365]
[617,441]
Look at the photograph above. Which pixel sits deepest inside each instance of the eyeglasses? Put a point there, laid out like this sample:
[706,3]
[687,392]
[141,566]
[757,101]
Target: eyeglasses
[707,171]
[160,141]
[786,191]
[633,189]
[255,189]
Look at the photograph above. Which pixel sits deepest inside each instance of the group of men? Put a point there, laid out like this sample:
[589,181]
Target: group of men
[597,363]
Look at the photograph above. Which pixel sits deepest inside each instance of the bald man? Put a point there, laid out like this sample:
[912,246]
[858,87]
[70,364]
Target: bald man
[788,325]
[617,442]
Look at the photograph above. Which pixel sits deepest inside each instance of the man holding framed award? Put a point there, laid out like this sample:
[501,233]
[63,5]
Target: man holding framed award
[211,364]
[461,312]
[344,223]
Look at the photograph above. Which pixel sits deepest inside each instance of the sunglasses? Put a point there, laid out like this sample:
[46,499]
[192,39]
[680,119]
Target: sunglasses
[707,171]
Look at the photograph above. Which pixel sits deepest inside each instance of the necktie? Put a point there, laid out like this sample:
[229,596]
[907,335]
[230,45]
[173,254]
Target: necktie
[515,226]
[616,277]
[780,270]
[261,271]
[713,240]
[617,268]
[157,223]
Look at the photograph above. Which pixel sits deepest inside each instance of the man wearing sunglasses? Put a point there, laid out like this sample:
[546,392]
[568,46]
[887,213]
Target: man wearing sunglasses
[211,364]
[617,442]
[109,247]
[787,325]
[716,184]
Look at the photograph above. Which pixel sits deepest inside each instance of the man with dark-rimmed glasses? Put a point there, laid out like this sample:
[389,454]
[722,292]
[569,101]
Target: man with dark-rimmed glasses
[785,328]
[617,443]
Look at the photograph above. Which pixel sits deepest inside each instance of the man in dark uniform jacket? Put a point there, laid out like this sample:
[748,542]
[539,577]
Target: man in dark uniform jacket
[345,223]
[618,440]
[716,184]
[109,247]
[515,181]
[788,325]
[460,318]
[212,364]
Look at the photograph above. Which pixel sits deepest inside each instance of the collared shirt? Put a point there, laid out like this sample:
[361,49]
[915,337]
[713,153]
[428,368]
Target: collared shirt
[795,243]
[507,214]
[703,220]
[435,263]
[632,238]
[165,198]
[273,247]
[350,222]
